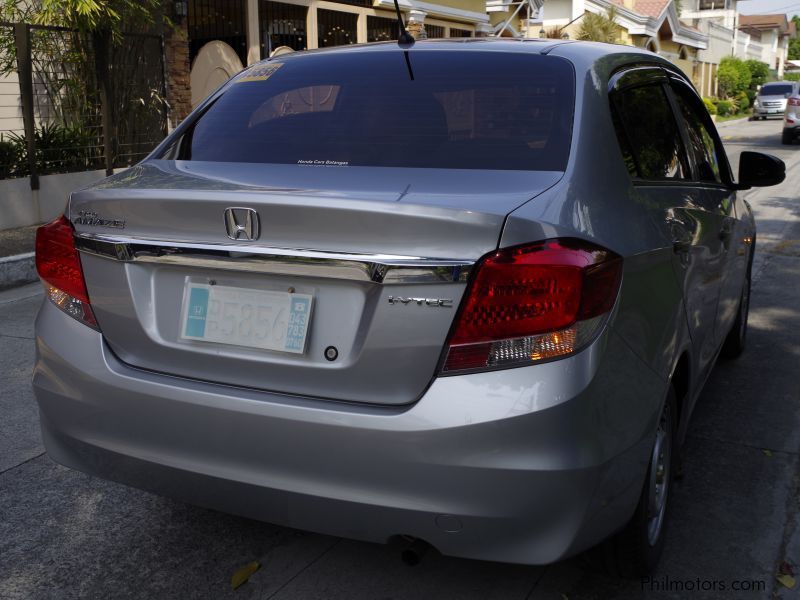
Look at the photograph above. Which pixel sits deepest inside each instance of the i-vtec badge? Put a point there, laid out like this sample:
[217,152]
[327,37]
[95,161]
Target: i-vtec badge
[442,302]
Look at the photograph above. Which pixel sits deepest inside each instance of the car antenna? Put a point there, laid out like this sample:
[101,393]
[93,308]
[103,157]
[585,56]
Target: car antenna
[404,39]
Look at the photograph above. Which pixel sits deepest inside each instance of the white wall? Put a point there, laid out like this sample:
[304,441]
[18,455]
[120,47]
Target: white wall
[21,206]
[557,11]
[720,42]
[10,105]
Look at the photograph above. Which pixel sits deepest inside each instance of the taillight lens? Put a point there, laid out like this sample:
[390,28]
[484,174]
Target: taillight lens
[794,101]
[532,303]
[59,266]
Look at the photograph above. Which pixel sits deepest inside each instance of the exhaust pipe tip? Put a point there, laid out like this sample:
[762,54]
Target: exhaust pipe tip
[413,554]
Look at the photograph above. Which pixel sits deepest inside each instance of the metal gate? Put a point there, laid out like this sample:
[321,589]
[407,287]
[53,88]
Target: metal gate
[336,28]
[223,20]
[282,25]
[381,29]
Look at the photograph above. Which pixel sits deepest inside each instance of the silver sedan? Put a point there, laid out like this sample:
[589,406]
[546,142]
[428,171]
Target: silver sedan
[459,292]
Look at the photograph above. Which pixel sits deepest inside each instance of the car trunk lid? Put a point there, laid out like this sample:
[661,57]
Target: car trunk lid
[350,239]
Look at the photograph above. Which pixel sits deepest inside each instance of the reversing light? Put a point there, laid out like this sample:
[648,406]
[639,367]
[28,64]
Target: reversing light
[532,303]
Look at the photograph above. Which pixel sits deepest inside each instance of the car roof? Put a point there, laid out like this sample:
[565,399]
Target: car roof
[543,46]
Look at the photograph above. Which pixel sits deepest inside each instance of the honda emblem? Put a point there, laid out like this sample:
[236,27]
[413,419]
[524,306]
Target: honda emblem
[242,223]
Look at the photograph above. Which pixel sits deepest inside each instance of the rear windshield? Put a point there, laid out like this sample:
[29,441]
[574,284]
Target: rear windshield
[462,110]
[779,89]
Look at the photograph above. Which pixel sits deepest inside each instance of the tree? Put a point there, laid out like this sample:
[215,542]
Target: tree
[105,16]
[600,28]
[794,44]
[759,72]
[733,76]
[73,73]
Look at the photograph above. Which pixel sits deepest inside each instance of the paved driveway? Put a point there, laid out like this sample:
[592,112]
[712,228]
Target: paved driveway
[734,519]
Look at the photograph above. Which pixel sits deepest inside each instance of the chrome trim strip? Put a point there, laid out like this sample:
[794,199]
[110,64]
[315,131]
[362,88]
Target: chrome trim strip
[385,269]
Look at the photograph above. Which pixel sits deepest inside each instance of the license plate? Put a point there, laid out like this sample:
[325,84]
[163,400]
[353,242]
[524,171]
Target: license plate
[245,317]
[774,110]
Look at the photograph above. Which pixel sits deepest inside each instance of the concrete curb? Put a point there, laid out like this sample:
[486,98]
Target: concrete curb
[17,270]
[731,122]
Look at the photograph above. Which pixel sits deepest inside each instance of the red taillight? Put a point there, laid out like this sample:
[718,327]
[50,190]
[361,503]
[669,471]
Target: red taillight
[59,266]
[794,101]
[533,302]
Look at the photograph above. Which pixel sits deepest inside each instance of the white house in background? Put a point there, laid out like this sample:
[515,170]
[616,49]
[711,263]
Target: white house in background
[769,35]
[719,20]
[652,24]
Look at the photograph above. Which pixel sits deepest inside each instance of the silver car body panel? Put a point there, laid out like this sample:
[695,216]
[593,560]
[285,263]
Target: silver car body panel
[327,239]
[791,118]
[521,465]
[569,472]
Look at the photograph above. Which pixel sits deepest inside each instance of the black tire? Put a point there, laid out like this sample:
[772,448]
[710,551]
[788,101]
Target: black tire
[635,551]
[735,342]
[786,138]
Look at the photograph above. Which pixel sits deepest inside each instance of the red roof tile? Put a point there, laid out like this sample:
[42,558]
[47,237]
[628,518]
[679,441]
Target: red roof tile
[650,8]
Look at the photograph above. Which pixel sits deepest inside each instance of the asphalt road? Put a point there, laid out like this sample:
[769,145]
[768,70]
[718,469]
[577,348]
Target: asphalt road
[734,521]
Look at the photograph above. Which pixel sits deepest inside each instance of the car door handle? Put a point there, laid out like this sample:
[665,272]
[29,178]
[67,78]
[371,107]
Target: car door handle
[681,238]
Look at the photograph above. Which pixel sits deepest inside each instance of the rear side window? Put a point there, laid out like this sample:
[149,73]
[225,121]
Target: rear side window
[776,89]
[701,143]
[648,134]
[462,110]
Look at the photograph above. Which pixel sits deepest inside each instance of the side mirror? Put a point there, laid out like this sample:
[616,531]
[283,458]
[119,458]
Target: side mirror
[760,170]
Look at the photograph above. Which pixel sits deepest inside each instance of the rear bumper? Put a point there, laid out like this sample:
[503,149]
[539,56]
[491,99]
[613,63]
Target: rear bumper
[527,465]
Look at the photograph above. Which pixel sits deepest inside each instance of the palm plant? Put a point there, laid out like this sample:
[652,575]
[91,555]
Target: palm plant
[599,27]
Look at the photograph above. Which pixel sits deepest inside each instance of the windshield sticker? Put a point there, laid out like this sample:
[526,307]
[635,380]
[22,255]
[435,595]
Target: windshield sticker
[260,72]
[324,163]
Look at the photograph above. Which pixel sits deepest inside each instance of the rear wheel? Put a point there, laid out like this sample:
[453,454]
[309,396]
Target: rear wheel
[635,551]
[786,138]
[734,343]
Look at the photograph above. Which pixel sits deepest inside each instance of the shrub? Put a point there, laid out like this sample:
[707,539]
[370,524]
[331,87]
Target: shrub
[710,107]
[791,76]
[733,76]
[8,158]
[724,108]
[742,101]
[59,149]
[759,73]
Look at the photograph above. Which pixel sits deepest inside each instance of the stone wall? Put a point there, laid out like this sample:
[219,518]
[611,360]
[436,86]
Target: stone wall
[176,50]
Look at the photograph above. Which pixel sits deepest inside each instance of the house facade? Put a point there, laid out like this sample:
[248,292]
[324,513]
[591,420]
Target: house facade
[717,19]
[651,24]
[765,38]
